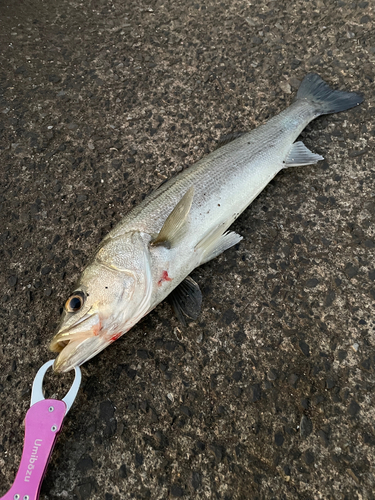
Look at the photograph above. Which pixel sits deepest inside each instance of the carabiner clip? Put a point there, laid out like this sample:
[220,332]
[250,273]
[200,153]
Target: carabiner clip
[37,393]
[43,423]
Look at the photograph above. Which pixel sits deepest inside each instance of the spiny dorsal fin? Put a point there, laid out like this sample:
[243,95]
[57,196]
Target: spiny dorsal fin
[186,300]
[300,155]
[226,139]
[174,225]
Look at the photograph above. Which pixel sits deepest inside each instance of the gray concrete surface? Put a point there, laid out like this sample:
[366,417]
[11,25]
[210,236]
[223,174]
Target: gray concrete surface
[270,394]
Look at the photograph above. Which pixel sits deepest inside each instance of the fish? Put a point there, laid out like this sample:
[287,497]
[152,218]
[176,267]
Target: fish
[183,224]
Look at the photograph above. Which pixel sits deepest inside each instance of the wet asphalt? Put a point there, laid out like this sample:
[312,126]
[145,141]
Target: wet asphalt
[270,393]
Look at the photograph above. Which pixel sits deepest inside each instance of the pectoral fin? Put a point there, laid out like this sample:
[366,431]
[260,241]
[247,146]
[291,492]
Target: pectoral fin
[300,155]
[186,300]
[175,224]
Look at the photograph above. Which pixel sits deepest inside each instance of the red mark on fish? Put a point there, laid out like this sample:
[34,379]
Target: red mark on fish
[115,337]
[164,277]
[97,328]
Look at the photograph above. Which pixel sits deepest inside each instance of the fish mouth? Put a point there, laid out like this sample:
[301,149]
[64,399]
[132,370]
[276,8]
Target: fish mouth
[77,352]
[78,344]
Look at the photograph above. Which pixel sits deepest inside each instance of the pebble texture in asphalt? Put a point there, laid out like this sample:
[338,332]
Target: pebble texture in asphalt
[270,393]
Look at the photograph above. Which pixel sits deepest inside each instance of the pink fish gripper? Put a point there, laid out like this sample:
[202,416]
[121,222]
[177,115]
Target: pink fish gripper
[43,423]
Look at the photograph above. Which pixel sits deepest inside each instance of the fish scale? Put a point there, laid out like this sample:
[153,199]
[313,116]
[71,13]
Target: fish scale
[182,225]
[251,160]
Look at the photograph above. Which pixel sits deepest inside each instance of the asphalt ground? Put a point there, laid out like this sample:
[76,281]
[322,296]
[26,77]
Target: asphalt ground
[270,393]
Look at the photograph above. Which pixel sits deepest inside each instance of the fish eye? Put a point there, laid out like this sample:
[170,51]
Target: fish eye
[75,302]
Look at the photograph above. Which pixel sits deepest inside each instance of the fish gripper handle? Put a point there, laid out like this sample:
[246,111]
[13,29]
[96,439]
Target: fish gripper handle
[43,423]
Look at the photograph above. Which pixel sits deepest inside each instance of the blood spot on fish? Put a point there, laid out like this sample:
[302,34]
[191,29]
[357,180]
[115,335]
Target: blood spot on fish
[164,277]
[115,337]
[97,328]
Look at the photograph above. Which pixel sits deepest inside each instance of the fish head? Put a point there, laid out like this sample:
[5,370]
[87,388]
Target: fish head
[114,292]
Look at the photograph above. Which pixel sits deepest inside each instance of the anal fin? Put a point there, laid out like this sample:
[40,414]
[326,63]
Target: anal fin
[186,300]
[300,155]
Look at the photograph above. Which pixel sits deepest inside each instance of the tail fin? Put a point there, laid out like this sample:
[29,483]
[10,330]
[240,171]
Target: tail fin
[326,100]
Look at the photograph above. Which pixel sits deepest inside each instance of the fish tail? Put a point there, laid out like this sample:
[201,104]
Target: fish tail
[326,100]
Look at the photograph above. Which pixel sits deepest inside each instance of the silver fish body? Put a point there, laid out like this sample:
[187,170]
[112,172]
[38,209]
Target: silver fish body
[225,182]
[130,273]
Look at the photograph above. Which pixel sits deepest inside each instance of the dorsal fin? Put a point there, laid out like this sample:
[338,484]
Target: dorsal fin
[175,224]
[226,139]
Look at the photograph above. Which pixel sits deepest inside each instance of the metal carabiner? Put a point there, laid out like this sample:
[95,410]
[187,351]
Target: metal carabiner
[37,393]
[43,423]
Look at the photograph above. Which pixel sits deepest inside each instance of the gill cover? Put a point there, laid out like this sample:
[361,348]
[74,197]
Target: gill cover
[114,293]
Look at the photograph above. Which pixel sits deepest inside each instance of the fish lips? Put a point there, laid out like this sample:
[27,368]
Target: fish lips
[77,352]
[78,343]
